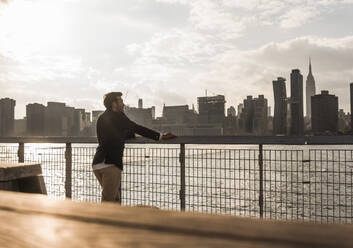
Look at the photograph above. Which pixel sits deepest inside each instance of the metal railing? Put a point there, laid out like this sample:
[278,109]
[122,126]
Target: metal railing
[267,177]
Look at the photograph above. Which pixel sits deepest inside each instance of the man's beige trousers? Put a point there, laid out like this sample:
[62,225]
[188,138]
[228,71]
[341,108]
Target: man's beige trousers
[109,178]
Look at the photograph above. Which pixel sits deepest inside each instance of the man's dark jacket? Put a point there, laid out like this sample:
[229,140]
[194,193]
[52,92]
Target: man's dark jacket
[113,128]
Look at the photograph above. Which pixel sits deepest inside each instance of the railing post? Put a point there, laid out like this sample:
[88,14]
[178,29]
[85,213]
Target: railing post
[21,152]
[261,181]
[182,177]
[68,170]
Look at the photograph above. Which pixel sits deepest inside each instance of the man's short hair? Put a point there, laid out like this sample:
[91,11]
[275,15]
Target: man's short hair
[110,97]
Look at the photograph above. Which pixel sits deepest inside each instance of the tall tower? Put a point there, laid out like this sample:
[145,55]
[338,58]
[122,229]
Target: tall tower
[280,113]
[310,90]
[7,117]
[351,90]
[296,103]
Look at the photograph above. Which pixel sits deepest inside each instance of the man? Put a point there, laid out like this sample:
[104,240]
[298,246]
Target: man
[113,128]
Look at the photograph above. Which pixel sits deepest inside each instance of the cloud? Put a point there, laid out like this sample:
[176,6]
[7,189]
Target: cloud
[169,51]
[237,73]
[39,68]
[211,16]
[251,72]
[284,13]
[298,16]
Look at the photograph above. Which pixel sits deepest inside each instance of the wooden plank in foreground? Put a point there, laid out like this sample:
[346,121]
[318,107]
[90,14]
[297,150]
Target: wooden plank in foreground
[36,221]
[13,171]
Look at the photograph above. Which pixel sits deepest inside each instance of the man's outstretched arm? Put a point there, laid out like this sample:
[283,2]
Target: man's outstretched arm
[146,132]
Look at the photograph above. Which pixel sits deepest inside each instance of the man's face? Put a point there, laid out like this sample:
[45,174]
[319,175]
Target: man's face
[118,104]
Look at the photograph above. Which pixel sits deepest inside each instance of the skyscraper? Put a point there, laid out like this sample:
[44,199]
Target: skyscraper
[310,90]
[280,112]
[247,116]
[240,109]
[7,116]
[35,119]
[351,89]
[79,122]
[253,118]
[297,116]
[324,113]
[260,115]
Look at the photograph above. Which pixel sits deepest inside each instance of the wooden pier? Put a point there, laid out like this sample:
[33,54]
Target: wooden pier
[33,220]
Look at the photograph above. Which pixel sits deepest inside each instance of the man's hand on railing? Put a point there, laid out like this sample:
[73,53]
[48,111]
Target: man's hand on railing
[167,136]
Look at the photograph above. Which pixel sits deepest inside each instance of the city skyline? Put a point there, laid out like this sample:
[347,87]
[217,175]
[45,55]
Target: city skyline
[168,51]
[305,88]
[253,117]
[287,91]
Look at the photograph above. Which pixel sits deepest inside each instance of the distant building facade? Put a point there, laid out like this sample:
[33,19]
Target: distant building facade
[280,110]
[178,119]
[178,114]
[270,124]
[310,90]
[140,115]
[254,117]
[93,126]
[55,121]
[96,114]
[240,109]
[62,120]
[35,114]
[211,109]
[230,125]
[231,111]
[324,109]
[20,127]
[7,117]
[296,101]
[247,115]
[351,95]
[344,122]
[79,122]
[260,115]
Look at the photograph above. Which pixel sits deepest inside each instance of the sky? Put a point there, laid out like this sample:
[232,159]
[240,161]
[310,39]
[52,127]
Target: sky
[170,51]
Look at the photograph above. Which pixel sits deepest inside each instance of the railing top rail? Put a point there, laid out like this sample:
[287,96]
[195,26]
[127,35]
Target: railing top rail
[222,140]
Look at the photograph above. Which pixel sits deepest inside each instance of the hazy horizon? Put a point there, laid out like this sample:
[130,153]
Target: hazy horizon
[170,51]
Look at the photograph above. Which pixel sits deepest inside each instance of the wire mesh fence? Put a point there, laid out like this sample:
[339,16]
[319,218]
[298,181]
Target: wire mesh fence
[151,177]
[330,185]
[52,160]
[9,153]
[222,181]
[284,185]
[297,184]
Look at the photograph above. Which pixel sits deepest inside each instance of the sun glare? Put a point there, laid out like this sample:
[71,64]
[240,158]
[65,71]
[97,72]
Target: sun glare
[28,27]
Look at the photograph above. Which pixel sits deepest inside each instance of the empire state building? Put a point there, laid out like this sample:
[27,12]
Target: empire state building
[310,90]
